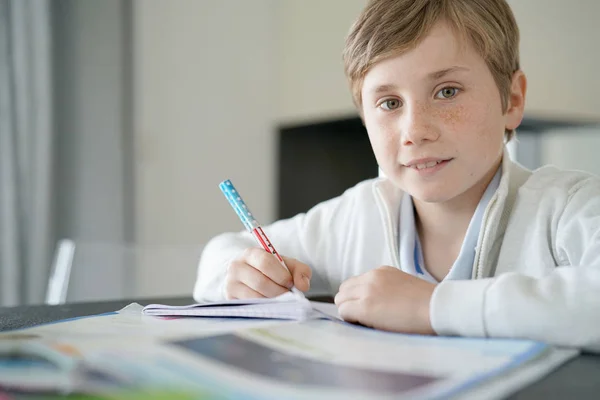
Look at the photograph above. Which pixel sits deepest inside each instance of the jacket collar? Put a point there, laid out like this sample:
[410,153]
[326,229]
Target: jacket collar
[497,216]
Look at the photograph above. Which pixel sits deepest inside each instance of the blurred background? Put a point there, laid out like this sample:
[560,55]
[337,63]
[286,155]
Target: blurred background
[119,118]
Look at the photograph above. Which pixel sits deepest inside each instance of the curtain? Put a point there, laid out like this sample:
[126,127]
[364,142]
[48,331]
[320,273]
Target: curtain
[26,142]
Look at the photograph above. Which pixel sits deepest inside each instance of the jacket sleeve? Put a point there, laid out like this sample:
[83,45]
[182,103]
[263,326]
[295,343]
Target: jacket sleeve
[306,237]
[561,308]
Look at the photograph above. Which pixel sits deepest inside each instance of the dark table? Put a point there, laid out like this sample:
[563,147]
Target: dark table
[577,379]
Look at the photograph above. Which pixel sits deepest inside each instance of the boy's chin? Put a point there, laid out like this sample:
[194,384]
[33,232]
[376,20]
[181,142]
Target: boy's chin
[432,198]
[431,195]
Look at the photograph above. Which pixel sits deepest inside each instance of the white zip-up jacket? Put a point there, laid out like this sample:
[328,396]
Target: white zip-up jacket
[536,272]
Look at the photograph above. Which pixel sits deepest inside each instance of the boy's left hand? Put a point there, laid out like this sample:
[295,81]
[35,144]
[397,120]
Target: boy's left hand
[388,299]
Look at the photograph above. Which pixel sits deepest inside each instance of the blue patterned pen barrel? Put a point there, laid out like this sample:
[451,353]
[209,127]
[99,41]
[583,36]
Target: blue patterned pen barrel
[238,205]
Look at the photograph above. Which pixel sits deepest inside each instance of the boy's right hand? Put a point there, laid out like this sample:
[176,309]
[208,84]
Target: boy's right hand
[257,274]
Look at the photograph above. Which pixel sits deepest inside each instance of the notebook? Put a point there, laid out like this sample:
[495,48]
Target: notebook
[286,306]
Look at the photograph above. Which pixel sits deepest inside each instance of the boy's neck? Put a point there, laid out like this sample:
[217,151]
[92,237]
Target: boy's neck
[446,223]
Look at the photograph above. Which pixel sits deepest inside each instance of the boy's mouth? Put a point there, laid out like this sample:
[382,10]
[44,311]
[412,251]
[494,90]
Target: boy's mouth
[425,163]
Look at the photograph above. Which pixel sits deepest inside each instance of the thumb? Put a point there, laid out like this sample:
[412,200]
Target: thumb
[301,273]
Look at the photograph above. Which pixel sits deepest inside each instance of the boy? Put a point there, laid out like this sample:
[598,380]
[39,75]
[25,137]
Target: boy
[457,239]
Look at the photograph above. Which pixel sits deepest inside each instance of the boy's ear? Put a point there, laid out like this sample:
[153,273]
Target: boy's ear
[516,100]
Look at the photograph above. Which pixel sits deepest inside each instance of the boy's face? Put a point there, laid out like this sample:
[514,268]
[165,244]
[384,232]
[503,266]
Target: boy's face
[435,118]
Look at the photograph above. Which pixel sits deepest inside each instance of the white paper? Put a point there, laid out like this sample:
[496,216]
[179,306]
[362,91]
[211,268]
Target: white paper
[327,310]
[286,306]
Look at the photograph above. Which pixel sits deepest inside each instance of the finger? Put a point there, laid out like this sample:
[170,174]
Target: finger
[301,272]
[268,266]
[351,311]
[237,290]
[346,294]
[255,280]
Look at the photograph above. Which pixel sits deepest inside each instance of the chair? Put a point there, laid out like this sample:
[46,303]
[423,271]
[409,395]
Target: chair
[88,271]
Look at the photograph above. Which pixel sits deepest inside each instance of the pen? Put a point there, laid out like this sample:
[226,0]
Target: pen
[236,202]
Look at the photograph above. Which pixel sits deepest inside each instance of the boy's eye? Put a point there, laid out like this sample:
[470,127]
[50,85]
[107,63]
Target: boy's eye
[447,93]
[390,104]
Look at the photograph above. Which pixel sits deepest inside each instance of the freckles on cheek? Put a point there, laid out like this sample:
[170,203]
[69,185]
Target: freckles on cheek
[453,118]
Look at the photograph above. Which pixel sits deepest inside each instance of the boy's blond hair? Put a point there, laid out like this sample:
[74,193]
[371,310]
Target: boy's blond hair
[390,27]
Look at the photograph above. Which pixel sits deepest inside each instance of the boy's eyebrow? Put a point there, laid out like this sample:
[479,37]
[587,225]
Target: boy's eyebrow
[383,88]
[439,74]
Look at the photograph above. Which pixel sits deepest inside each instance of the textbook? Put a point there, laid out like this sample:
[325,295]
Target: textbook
[119,354]
[286,306]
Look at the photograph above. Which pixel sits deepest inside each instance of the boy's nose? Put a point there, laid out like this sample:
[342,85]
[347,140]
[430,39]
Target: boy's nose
[417,127]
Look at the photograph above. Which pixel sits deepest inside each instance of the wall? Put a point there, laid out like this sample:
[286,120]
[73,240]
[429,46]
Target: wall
[559,43]
[311,37]
[204,106]
[559,54]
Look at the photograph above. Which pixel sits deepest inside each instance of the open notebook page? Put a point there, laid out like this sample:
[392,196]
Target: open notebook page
[285,306]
